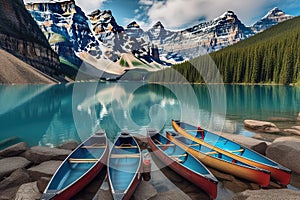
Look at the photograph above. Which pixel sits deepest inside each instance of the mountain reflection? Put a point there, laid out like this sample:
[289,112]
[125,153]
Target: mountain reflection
[49,115]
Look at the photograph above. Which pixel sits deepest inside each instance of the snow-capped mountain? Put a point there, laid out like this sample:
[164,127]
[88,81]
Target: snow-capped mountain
[96,42]
[200,39]
[272,18]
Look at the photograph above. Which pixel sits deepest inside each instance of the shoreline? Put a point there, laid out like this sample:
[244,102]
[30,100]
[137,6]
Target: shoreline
[39,173]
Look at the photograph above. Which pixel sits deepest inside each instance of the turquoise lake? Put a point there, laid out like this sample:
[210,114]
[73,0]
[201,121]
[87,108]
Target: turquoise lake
[48,115]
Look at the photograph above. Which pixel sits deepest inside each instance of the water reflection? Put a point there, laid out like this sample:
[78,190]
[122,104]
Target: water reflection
[49,115]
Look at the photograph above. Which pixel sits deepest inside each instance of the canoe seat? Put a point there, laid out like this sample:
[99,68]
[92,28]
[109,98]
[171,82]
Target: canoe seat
[94,146]
[234,151]
[178,160]
[177,157]
[83,160]
[166,145]
[135,155]
[193,145]
[195,130]
[125,146]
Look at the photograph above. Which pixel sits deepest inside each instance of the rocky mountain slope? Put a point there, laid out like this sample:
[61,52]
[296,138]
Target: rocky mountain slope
[97,45]
[22,38]
[272,18]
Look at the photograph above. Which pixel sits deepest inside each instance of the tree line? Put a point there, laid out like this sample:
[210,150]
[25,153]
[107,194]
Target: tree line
[272,56]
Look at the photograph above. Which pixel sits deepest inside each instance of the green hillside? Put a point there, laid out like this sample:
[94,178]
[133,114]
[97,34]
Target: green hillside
[272,56]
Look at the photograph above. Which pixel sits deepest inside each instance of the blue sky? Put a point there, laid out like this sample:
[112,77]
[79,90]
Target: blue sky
[179,14]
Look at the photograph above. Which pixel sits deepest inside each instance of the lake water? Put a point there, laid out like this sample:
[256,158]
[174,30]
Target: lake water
[51,114]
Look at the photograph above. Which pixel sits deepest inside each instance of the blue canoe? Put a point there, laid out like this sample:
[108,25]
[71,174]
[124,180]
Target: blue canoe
[124,167]
[230,148]
[79,168]
[182,162]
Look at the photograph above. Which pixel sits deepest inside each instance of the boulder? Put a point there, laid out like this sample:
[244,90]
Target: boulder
[17,178]
[292,131]
[296,128]
[14,150]
[42,183]
[40,154]
[71,145]
[283,139]
[298,117]
[254,144]
[144,191]
[236,185]
[273,194]
[8,194]
[172,194]
[261,126]
[286,153]
[28,191]
[8,165]
[221,176]
[45,169]
[142,141]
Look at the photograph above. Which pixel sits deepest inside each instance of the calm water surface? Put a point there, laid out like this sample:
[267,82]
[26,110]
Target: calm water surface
[51,114]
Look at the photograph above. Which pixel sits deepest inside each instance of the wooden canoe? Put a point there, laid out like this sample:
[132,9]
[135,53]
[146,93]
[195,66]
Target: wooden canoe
[230,148]
[220,161]
[182,162]
[79,168]
[124,167]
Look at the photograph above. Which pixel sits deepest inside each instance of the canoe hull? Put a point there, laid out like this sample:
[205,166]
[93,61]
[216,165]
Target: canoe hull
[67,192]
[127,194]
[81,183]
[281,176]
[257,176]
[202,182]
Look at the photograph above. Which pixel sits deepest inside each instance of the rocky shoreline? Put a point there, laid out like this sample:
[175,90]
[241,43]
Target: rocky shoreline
[25,173]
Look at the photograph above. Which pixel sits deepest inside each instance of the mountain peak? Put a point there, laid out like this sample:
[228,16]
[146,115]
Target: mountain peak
[273,12]
[158,25]
[273,17]
[133,24]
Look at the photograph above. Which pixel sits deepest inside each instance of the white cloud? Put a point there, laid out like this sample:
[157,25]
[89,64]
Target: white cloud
[89,6]
[146,2]
[86,5]
[177,13]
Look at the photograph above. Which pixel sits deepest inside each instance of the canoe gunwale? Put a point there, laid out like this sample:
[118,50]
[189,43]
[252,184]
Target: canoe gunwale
[135,178]
[281,174]
[100,160]
[277,166]
[208,178]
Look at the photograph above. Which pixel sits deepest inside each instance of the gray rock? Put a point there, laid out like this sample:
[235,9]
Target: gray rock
[254,144]
[28,191]
[71,145]
[236,185]
[142,141]
[296,127]
[42,183]
[273,194]
[45,169]
[221,176]
[8,165]
[17,178]
[8,194]
[14,150]
[40,154]
[171,195]
[261,126]
[144,191]
[292,131]
[283,139]
[286,153]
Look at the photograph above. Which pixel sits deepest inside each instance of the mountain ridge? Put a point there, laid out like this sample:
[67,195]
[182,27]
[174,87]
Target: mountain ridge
[106,41]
